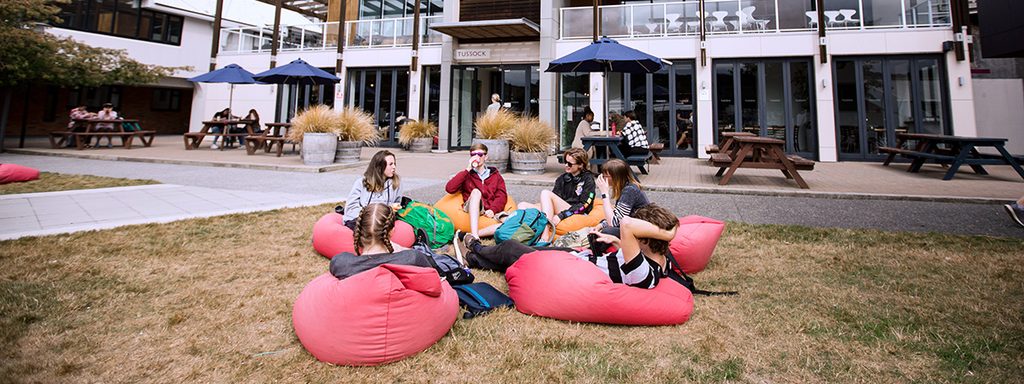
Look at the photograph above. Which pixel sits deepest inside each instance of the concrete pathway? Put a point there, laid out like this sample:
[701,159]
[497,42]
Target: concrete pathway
[46,213]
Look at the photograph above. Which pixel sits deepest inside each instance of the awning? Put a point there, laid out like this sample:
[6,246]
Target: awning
[489,29]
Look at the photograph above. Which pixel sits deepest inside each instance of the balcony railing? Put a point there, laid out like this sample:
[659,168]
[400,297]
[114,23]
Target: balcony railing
[324,36]
[751,16]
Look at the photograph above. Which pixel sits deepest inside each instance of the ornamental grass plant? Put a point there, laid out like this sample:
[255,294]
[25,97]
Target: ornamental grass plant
[315,119]
[354,124]
[495,125]
[416,130]
[529,134]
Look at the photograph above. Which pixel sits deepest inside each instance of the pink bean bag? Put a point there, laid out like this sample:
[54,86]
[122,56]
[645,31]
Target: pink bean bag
[382,315]
[695,241]
[12,173]
[331,236]
[561,286]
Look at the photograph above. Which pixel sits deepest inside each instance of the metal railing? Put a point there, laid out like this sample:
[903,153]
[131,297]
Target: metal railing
[751,16]
[324,36]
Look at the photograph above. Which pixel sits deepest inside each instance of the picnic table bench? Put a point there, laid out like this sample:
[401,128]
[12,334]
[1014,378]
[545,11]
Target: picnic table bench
[958,151]
[272,136]
[193,139]
[607,147]
[759,152]
[727,143]
[86,128]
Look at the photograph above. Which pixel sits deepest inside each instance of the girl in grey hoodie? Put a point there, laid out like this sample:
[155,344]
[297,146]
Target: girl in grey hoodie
[379,184]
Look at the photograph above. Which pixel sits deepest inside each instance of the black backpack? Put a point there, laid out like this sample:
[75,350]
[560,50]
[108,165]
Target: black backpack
[687,281]
[447,267]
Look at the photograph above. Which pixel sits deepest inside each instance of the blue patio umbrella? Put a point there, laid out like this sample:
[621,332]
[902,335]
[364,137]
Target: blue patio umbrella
[607,55]
[232,74]
[297,72]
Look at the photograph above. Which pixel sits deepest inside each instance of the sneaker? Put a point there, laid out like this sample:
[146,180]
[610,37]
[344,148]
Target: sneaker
[460,248]
[470,241]
[214,146]
[1016,213]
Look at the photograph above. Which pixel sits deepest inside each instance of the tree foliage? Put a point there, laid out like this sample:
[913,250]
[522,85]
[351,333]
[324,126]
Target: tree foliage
[29,55]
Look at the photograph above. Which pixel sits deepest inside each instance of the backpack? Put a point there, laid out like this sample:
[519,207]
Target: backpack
[446,266]
[480,298]
[677,275]
[525,226]
[436,224]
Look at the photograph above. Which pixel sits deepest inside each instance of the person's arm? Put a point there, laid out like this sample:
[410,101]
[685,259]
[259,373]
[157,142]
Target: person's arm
[396,194]
[624,207]
[500,197]
[585,202]
[608,202]
[632,229]
[352,203]
[455,183]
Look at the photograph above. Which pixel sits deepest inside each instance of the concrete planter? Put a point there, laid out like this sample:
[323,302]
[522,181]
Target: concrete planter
[348,151]
[497,153]
[528,163]
[422,144]
[318,148]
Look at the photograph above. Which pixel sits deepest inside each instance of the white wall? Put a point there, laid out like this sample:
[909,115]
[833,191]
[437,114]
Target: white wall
[194,50]
[999,111]
[210,98]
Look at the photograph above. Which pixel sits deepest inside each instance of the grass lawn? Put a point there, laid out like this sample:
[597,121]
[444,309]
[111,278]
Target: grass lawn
[209,300]
[49,182]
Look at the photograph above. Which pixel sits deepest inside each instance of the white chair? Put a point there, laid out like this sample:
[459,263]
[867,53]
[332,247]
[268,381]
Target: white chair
[812,17]
[651,27]
[746,16]
[833,18]
[848,17]
[673,22]
[719,22]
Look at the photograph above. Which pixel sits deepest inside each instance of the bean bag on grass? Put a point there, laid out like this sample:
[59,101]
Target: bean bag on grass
[13,173]
[378,316]
[561,286]
[451,205]
[331,236]
[695,241]
[577,222]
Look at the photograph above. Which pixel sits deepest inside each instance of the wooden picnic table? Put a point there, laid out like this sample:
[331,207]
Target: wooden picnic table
[275,134]
[81,136]
[759,152]
[959,151]
[727,143]
[607,147]
[193,139]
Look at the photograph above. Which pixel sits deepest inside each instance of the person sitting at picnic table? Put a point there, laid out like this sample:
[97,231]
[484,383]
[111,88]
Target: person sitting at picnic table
[482,188]
[107,113]
[78,113]
[634,136]
[252,115]
[573,192]
[639,259]
[583,128]
[380,184]
[372,244]
[222,115]
[1016,211]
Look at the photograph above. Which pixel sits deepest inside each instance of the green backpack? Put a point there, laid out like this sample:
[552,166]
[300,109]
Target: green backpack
[438,226]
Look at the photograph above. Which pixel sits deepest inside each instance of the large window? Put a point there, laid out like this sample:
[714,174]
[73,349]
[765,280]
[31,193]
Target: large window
[382,92]
[388,9]
[124,18]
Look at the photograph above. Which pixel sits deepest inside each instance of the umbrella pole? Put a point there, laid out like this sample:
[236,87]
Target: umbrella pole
[607,113]
[231,99]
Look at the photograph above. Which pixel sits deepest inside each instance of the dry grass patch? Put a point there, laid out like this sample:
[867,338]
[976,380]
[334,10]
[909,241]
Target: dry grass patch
[209,300]
[49,182]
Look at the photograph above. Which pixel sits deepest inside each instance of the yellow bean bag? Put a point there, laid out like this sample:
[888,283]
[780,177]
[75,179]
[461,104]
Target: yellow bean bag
[577,222]
[452,205]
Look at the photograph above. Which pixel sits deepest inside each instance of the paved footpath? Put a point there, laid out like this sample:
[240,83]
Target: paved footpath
[212,184]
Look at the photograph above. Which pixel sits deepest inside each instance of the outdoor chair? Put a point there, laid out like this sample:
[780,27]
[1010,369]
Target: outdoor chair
[719,22]
[812,17]
[848,17]
[833,18]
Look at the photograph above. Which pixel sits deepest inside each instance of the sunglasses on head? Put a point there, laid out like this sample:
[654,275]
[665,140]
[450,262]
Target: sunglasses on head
[479,153]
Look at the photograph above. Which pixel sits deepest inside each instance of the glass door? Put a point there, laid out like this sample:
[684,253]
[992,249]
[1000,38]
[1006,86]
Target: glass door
[383,93]
[880,97]
[472,87]
[769,98]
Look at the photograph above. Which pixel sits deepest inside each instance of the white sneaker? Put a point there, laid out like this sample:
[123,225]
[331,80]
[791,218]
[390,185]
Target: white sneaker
[214,146]
[1012,210]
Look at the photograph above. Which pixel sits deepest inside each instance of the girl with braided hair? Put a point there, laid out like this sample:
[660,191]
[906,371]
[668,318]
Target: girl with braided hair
[373,246]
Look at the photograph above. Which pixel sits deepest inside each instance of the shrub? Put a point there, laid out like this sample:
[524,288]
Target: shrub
[356,125]
[495,125]
[416,130]
[530,134]
[315,119]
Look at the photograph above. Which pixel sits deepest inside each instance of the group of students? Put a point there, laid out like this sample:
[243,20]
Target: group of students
[638,230]
[225,114]
[633,133]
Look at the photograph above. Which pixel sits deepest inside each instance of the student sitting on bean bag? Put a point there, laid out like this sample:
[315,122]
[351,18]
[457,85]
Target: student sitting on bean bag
[331,236]
[482,189]
[376,305]
[573,193]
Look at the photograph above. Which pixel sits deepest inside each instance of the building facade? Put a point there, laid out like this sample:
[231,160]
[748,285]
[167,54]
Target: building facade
[835,79]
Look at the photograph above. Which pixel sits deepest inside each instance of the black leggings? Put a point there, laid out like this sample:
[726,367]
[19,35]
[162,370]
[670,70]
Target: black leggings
[500,257]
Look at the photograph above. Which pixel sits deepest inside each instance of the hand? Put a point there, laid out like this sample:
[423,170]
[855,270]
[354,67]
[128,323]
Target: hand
[602,184]
[489,213]
[473,162]
[606,238]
